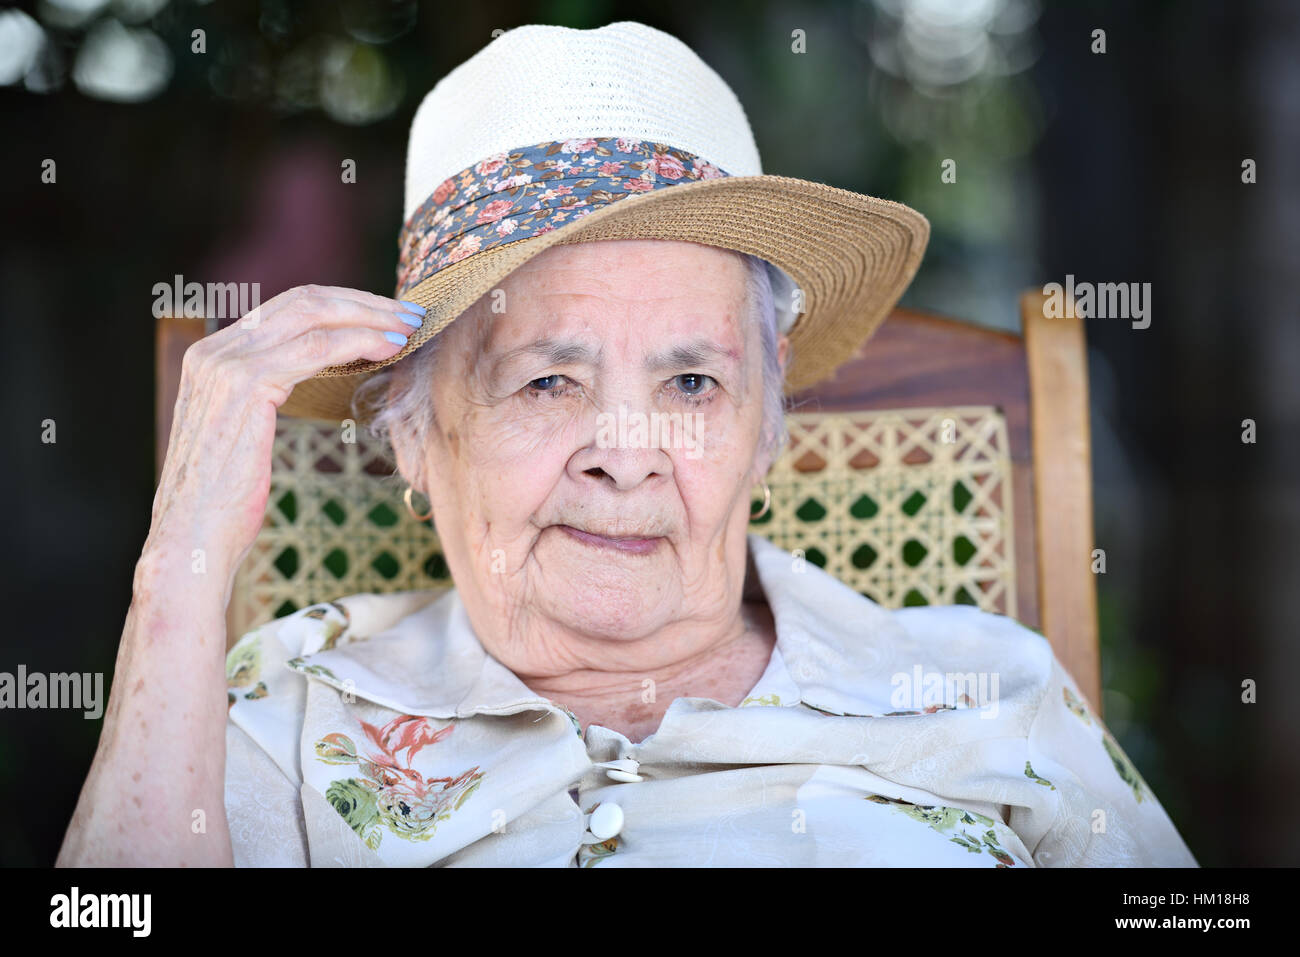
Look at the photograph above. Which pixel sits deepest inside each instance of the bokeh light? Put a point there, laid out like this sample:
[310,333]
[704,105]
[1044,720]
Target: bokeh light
[122,63]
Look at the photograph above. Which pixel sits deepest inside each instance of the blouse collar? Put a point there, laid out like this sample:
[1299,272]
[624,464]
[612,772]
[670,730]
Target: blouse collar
[829,640]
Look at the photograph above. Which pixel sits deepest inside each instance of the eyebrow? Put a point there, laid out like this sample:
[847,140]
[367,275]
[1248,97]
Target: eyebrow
[552,351]
[697,352]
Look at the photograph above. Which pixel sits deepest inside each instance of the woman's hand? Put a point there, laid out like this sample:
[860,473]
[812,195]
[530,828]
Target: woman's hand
[217,473]
[155,794]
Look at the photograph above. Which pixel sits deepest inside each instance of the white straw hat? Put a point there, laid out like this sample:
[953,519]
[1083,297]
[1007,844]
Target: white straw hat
[554,135]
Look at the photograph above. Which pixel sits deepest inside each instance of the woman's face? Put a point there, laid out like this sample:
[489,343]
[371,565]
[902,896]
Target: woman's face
[598,422]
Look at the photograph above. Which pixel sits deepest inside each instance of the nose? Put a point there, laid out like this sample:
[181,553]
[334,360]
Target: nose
[623,468]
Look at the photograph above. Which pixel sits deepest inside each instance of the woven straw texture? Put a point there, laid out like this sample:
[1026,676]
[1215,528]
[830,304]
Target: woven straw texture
[536,83]
[907,506]
[850,255]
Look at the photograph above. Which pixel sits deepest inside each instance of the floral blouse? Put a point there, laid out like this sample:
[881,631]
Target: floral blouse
[376,731]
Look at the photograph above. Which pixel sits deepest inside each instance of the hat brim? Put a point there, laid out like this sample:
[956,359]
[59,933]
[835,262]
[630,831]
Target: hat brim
[851,255]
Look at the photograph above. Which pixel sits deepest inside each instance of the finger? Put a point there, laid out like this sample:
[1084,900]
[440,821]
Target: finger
[363,297]
[315,291]
[285,364]
[310,311]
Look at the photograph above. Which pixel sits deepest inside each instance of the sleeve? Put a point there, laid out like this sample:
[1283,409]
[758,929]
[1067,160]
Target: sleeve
[263,730]
[267,704]
[1106,814]
[263,807]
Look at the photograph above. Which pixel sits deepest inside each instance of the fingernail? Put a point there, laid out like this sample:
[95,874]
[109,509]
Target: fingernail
[410,320]
[413,307]
[396,338]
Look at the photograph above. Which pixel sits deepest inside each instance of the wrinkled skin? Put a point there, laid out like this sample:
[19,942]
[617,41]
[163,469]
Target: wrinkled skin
[517,460]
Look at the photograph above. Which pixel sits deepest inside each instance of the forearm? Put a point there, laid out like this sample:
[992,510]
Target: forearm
[155,791]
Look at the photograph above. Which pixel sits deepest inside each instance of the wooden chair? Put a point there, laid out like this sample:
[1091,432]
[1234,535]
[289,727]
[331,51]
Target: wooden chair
[946,463]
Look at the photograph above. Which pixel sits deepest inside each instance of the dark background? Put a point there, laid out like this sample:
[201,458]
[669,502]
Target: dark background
[1115,167]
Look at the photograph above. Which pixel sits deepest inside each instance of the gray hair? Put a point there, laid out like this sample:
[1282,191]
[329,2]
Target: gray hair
[412,406]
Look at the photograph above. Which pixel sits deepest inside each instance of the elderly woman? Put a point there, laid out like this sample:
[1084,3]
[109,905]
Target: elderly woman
[621,674]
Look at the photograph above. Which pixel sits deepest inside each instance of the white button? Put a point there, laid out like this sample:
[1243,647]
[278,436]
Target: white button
[606,821]
[623,770]
[623,764]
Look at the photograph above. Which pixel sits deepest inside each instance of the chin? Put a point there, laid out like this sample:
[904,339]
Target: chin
[606,589]
[608,601]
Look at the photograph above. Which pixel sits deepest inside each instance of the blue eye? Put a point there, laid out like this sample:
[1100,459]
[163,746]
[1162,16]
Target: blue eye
[552,387]
[693,383]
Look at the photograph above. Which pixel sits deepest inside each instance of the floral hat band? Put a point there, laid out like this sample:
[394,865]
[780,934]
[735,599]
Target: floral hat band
[533,190]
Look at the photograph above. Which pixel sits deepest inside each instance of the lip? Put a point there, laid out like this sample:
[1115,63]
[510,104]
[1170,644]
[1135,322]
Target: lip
[632,546]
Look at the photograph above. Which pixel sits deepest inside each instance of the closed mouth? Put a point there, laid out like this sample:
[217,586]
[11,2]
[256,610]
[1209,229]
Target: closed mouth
[630,544]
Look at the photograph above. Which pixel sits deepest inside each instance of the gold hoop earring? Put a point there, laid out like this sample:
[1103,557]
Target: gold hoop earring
[410,508]
[767,504]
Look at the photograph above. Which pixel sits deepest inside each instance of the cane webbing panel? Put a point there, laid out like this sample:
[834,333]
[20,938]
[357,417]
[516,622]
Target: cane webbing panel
[335,525]
[909,507]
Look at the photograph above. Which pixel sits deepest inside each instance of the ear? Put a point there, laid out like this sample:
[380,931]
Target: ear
[763,462]
[406,450]
[759,469]
[410,464]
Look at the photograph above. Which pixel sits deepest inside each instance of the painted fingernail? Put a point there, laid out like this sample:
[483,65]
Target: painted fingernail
[396,338]
[410,320]
[414,307]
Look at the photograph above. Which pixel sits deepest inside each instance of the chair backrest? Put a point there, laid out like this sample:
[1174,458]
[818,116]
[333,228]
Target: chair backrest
[980,400]
[947,463]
